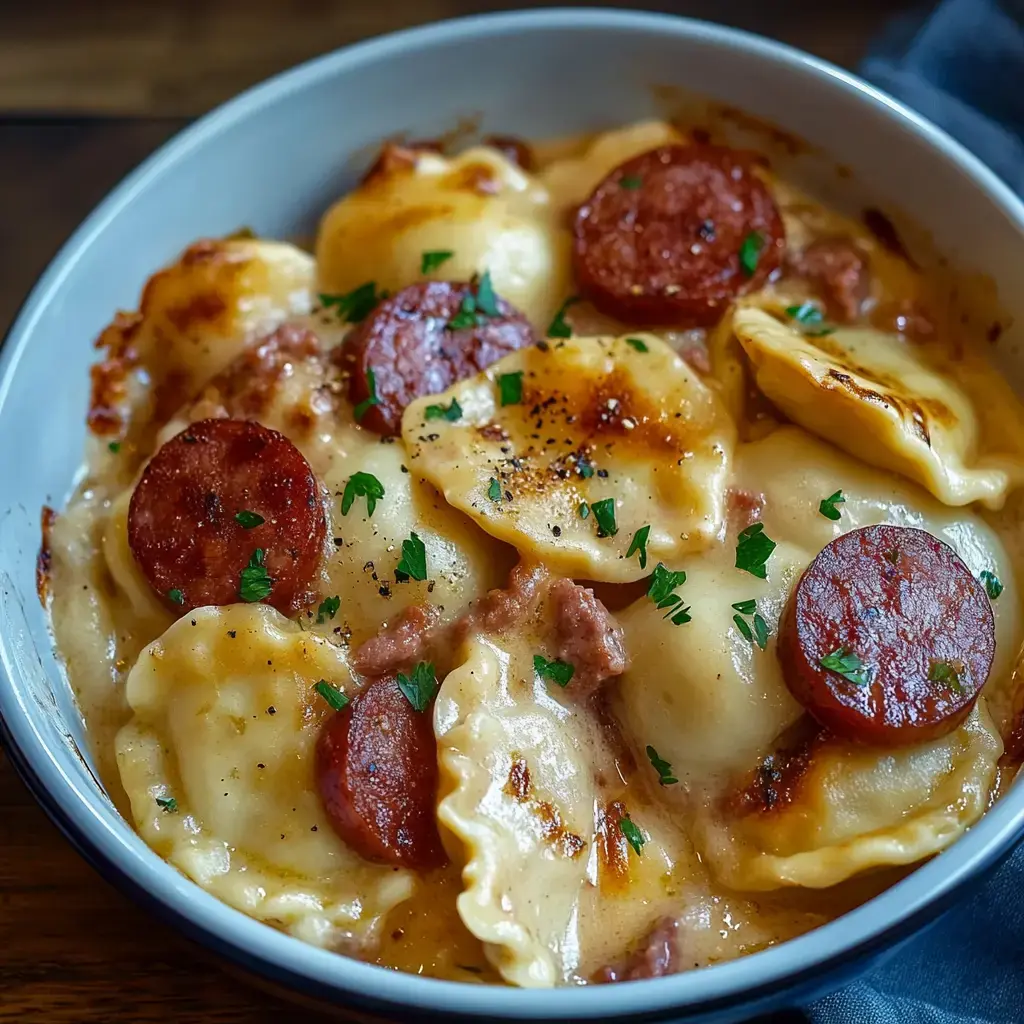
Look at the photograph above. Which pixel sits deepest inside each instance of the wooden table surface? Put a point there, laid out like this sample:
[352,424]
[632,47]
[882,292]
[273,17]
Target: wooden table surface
[86,91]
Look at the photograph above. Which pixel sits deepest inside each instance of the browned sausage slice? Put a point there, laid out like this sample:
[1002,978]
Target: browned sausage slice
[674,235]
[376,770]
[888,637]
[191,518]
[413,347]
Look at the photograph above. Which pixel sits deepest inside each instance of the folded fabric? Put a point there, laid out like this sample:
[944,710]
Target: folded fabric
[962,66]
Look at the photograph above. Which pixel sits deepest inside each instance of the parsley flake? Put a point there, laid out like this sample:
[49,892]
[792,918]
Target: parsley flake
[750,252]
[328,609]
[759,633]
[993,584]
[638,343]
[114,446]
[332,695]
[845,663]
[559,326]
[413,563]
[255,582]
[556,671]
[361,485]
[827,506]
[355,305]
[450,412]
[634,836]
[494,490]
[486,300]
[745,607]
[631,182]
[249,520]
[432,260]
[363,407]
[753,549]
[638,545]
[176,596]
[584,510]
[662,592]
[947,673]
[810,319]
[662,767]
[604,515]
[168,803]
[510,388]
[477,305]
[420,687]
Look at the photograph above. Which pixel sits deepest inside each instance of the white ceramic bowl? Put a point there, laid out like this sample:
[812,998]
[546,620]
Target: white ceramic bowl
[275,158]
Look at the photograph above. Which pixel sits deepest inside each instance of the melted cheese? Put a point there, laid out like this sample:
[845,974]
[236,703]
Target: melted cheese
[225,723]
[484,210]
[598,420]
[872,395]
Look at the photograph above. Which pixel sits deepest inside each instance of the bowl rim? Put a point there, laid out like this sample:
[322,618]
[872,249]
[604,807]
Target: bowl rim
[122,857]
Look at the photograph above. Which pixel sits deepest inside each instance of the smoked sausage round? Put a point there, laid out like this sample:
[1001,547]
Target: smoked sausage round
[376,771]
[421,341]
[222,498]
[888,637]
[673,235]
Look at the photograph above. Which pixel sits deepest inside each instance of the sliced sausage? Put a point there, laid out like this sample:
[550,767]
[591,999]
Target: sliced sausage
[674,235]
[376,770]
[888,637]
[838,270]
[409,344]
[182,525]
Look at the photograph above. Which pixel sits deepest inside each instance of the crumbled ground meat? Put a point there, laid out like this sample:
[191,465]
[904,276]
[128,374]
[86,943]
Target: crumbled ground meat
[657,956]
[399,644]
[837,269]
[499,609]
[587,636]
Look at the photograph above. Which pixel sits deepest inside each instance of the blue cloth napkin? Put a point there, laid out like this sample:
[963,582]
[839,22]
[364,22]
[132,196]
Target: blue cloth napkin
[962,66]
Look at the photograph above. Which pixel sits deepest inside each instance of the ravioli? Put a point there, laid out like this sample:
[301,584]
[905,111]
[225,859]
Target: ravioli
[600,423]
[478,207]
[816,815]
[217,761]
[873,396]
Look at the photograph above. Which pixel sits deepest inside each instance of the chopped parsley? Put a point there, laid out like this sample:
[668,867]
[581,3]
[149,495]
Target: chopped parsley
[332,695]
[494,490]
[114,446]
[631,182]
[168,803]
[420,687]
[809,317]
[355,305]
[845,663]
[827,506]
[638,343]
[947,673]
[328,609]
[255,583]
[510,388]
[249,520]
[432,260]
[638,545]
[584,510]
[361,485]
[634,836]
[604,515]
[662,592]
[176,596]
[662,767]
[753,549]
[559,326]
[450,412]
[993,584]
[477,305]
[750,252]
[371,385]
[413,563]
[556,671]
[759,633]
[584,468]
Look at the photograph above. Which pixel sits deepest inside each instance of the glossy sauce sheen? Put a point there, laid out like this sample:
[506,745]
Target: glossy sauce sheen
[915,617]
